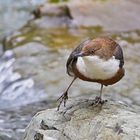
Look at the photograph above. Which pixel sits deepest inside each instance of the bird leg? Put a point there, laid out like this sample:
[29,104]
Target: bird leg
[101,91]
[64,96]
[98,100]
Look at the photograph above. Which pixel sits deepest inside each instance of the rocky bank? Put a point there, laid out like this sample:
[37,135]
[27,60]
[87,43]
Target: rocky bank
[83,121]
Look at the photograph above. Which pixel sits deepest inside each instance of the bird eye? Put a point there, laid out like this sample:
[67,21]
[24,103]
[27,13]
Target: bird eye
[92,51]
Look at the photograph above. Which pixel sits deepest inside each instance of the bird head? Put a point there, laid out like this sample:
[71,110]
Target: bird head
[88,50]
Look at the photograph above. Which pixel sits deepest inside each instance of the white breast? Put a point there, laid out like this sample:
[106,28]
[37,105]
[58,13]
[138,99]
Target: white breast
[94,67]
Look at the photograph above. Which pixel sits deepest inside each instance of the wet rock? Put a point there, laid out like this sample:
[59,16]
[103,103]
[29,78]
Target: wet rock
[112,121]
[51,15]
[54,10]
[111,15]
[29,49]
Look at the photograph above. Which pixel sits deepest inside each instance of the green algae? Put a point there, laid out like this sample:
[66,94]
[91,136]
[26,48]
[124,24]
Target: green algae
[52,37]
[57,1]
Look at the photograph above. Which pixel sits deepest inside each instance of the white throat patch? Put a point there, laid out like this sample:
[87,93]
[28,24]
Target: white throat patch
[94,67]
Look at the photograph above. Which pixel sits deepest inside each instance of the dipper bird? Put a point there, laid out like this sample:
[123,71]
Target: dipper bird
[95,60]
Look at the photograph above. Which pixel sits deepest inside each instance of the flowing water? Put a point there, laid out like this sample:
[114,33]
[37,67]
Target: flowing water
[32,70]
[14,88]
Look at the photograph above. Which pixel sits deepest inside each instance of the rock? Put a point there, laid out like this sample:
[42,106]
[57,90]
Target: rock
[111,15]
[112,121]
[52,15]
[53,10]
[29,49]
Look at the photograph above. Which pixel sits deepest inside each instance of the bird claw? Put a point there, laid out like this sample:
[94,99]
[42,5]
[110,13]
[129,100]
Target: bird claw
[98,100]
[62,99]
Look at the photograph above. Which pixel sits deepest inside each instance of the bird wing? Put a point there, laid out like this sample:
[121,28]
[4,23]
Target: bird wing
[72,59]
[118,53]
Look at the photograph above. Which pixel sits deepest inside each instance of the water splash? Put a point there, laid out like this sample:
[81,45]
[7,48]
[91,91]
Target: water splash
[16,90]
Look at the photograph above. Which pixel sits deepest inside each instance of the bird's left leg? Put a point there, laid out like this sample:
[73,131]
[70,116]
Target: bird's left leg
[98,99]
[64,96]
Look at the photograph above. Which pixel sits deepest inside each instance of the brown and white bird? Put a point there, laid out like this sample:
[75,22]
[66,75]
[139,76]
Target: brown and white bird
[99,60]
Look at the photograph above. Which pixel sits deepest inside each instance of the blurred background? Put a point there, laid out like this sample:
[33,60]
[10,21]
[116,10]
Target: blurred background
[36,38]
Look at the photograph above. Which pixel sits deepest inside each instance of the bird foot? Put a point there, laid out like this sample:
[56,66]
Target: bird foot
[62,99]
[98,100]
[85,103]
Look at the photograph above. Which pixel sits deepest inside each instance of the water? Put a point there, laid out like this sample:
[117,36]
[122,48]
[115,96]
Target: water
[15,13]
[15,93]
[15,90]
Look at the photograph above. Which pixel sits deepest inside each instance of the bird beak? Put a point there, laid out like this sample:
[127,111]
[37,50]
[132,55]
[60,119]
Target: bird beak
[79,54]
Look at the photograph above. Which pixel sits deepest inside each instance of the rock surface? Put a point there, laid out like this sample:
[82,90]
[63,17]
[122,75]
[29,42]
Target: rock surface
[122,17]
[112,121]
